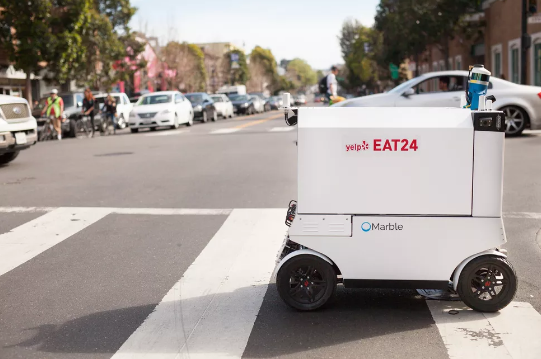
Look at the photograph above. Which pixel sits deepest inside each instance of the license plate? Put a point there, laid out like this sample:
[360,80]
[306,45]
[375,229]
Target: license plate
[20,138]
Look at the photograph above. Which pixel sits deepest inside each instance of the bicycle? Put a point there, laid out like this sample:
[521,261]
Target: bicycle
[84,125]
[47,131]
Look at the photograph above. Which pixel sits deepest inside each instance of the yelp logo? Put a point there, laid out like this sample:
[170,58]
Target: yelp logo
[358,147]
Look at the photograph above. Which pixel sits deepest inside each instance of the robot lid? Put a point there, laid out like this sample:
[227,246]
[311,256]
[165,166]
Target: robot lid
[479,73]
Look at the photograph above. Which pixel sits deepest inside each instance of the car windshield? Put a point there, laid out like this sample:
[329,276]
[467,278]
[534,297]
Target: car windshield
[405,85]
[154,100]
[194,98]
[68,100]
[239,98]
[216,98]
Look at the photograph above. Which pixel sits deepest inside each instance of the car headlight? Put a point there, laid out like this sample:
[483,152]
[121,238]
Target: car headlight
[166,111]
[133,115]
[198,108]
[244,104]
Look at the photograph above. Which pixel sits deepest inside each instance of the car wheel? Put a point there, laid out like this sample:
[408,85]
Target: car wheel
[72,128]
[134,130]
[121,122]
[215,116]
[306,282]
[515,120]
[487,283]
[8,157]
[205,119]
[175,123]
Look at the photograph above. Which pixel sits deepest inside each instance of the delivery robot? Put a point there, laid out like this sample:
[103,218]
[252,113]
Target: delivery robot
[397,198]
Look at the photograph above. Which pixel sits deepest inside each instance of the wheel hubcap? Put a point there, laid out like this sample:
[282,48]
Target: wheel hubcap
[306,285]
[488,282]
[514,120]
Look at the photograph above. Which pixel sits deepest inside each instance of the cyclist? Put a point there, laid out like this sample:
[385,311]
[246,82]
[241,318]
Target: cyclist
[54,109]
[110,110]
[88,108]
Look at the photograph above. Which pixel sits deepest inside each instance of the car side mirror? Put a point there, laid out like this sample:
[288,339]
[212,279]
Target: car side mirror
[409,92]
[79,104]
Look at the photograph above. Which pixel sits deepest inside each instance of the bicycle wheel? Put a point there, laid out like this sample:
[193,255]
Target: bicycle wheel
[87,127]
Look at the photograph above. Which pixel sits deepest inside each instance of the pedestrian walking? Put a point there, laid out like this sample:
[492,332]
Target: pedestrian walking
[88,108]
[110,111]
[55,110]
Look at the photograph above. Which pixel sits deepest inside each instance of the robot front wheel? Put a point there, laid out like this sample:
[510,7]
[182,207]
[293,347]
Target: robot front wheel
[306,282]
[487,283]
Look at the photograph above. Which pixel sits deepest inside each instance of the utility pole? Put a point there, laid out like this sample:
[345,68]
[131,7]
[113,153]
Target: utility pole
[525,42]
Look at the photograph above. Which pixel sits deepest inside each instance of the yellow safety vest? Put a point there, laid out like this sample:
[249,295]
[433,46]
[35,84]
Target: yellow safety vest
[53,104]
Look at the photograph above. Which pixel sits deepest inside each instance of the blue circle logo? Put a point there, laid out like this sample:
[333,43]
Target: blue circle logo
[366,226]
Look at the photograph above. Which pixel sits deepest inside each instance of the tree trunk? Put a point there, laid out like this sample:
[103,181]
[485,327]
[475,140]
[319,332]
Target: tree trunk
[28,89]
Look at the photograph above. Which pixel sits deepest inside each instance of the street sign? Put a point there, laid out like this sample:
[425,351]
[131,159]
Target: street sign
[394,71]
[234,57]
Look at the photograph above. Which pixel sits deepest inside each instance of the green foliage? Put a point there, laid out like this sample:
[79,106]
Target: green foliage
[265,58]
[189,63]
[40,33]
[237,76]
[301,74]
[263,70]
[359,45]
[410,26]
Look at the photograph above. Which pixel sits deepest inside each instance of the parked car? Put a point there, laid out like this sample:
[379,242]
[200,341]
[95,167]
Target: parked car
[161,109]
[123,106]
[300,100]
[223,105]
[243,104]
[18,128]
[232,90]
[520,103]
[259,104]
[203,106]
[264,98]
[275,102]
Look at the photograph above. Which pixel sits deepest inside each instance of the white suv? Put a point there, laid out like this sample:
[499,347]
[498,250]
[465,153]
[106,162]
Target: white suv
[123,106]
[18,129]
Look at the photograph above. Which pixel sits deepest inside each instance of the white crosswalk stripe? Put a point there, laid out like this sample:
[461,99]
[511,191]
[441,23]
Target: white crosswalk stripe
[210,312]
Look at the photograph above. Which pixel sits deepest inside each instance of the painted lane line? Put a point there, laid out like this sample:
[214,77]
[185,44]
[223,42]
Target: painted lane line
[242,117]
[512,333]
[26,209]
[224,131]
[282,129]
[257,122]
[166,133]
[211,311]
[32,238]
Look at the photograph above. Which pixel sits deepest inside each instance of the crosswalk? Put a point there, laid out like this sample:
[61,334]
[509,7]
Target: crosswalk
[211,310]
[220,131]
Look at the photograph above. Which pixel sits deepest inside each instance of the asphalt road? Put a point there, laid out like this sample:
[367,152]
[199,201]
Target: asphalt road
[116,231]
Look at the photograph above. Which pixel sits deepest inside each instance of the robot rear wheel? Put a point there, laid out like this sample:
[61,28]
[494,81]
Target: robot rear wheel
[487,283]
[306,282]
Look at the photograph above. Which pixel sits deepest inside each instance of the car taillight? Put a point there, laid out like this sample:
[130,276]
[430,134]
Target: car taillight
[539,95]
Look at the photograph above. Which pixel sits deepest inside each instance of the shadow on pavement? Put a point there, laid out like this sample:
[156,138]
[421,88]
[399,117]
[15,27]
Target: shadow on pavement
[354,316]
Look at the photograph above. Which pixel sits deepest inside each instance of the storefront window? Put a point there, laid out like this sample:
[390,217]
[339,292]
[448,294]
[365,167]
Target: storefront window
[514,66]
[537,64]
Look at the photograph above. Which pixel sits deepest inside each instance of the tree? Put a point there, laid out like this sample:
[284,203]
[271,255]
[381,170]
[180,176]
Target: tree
[108,40]
[359,45]
[262,67]
[239,73]
[36,33]
[300,73]
[187,60]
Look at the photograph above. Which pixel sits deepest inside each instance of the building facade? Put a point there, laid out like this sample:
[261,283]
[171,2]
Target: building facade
[214,56]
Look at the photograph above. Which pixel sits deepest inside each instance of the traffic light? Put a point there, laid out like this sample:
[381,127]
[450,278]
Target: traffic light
[532,7]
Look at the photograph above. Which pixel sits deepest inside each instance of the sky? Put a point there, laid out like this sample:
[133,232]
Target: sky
[306,29]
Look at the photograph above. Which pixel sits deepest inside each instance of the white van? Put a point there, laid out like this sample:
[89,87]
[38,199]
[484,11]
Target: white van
[232,90]
[18,129]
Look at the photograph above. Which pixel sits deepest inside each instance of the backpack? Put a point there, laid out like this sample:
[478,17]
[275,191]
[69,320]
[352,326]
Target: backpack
[323,85]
